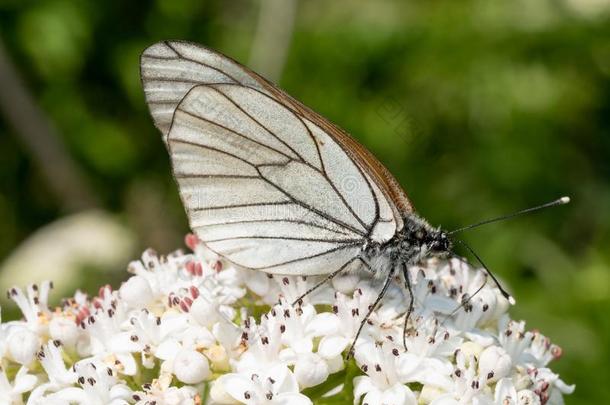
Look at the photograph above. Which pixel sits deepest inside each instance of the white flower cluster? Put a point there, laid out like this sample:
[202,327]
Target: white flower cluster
[191,329]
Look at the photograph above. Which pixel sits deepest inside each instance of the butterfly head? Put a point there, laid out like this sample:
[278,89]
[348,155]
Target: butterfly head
[437,242]
[420,240]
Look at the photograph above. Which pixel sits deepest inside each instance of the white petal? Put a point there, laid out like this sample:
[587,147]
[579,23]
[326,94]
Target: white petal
[429,393]
[237,385]
[332,346]
[440,304]
[366,353]
[323,324]
[257,281]
[128,362]
[122,342]
[285,381]
[408,364]
[398,394]
[173,323]
[304,345]
[495,362]
[373,398]
[219,395]
[23,381]
[288,356]
[120,391]
[335,364]
[204,311]
[310,370]
[168,349]
[505,392]
[291,399]
[346,282]
[362,385]
[563,387]
[445,400]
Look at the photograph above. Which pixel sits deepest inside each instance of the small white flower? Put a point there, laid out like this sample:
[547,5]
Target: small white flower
[50,357]
[108,341]
[494,363]
[468,386]
[291,288]
[514,339]
[51,360]
[384,380]
[275,386]
[548,386]
[157,336]
[264,347]
[348,314]
[65,329]
[542,351]
[397,393]
[98,386]
[33,304]
[163,275]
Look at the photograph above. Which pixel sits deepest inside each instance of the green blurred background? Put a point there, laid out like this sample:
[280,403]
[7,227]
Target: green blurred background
[478,107]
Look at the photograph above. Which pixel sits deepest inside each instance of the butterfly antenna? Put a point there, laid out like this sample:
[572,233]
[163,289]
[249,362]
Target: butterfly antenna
[560,201]
[504,293]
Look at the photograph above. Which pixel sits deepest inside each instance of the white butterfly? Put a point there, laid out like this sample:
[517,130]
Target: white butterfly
[271,185]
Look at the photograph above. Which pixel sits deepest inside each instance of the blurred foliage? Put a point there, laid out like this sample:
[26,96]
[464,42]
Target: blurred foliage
[478,107]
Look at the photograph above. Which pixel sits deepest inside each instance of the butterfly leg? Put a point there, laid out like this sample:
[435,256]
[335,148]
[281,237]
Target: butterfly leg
[405,273]
[386,284]
[321,283]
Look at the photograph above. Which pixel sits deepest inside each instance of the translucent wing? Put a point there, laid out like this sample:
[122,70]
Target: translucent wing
[266,182]
[170,69]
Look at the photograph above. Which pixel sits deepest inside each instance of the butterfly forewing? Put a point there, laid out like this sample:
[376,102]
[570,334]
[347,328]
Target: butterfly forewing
[266,182]
[170,69]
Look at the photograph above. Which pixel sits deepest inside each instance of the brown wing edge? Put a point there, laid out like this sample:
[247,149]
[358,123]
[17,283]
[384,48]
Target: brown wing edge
[373,167]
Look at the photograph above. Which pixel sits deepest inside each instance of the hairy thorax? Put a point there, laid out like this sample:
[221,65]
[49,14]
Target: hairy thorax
[416,241]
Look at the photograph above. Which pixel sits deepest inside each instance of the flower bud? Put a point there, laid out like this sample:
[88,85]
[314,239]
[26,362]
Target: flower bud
[23,345]
[136,292]
[204,312]
[191,367]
